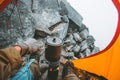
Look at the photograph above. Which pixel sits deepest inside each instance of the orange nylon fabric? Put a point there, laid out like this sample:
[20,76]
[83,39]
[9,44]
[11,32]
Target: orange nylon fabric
[1,1]
[106,64]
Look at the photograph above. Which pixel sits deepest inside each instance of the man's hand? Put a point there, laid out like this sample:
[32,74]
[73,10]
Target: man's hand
[30,46]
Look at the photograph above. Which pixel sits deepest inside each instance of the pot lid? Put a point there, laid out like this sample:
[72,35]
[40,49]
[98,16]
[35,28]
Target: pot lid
[54,41]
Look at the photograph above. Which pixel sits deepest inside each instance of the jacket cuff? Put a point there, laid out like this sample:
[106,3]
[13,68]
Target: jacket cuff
[13,56]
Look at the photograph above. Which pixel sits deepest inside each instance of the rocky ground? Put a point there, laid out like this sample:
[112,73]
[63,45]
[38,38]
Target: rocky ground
[42,18]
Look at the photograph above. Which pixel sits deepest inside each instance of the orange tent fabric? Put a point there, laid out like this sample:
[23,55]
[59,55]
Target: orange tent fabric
[1,1]
[106,64]
[4,4]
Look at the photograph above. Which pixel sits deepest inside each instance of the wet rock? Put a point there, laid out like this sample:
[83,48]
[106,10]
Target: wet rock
[77,37]
[83,45]
[91,47]
[70,39]
[60,30]
[82,27]
[48,13]
[82,55]
[84,34]
[72,13]
[69,48]
[17,22]
[87,52]
[76,48]
[95,50]
[69,55]
[62,8]
[90,40]
[41,32]
[64,19]
[34,6]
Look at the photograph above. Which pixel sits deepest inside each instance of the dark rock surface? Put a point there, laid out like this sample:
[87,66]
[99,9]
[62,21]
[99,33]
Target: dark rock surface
[43,18]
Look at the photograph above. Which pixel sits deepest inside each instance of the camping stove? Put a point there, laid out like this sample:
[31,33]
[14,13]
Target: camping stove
[52,54]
